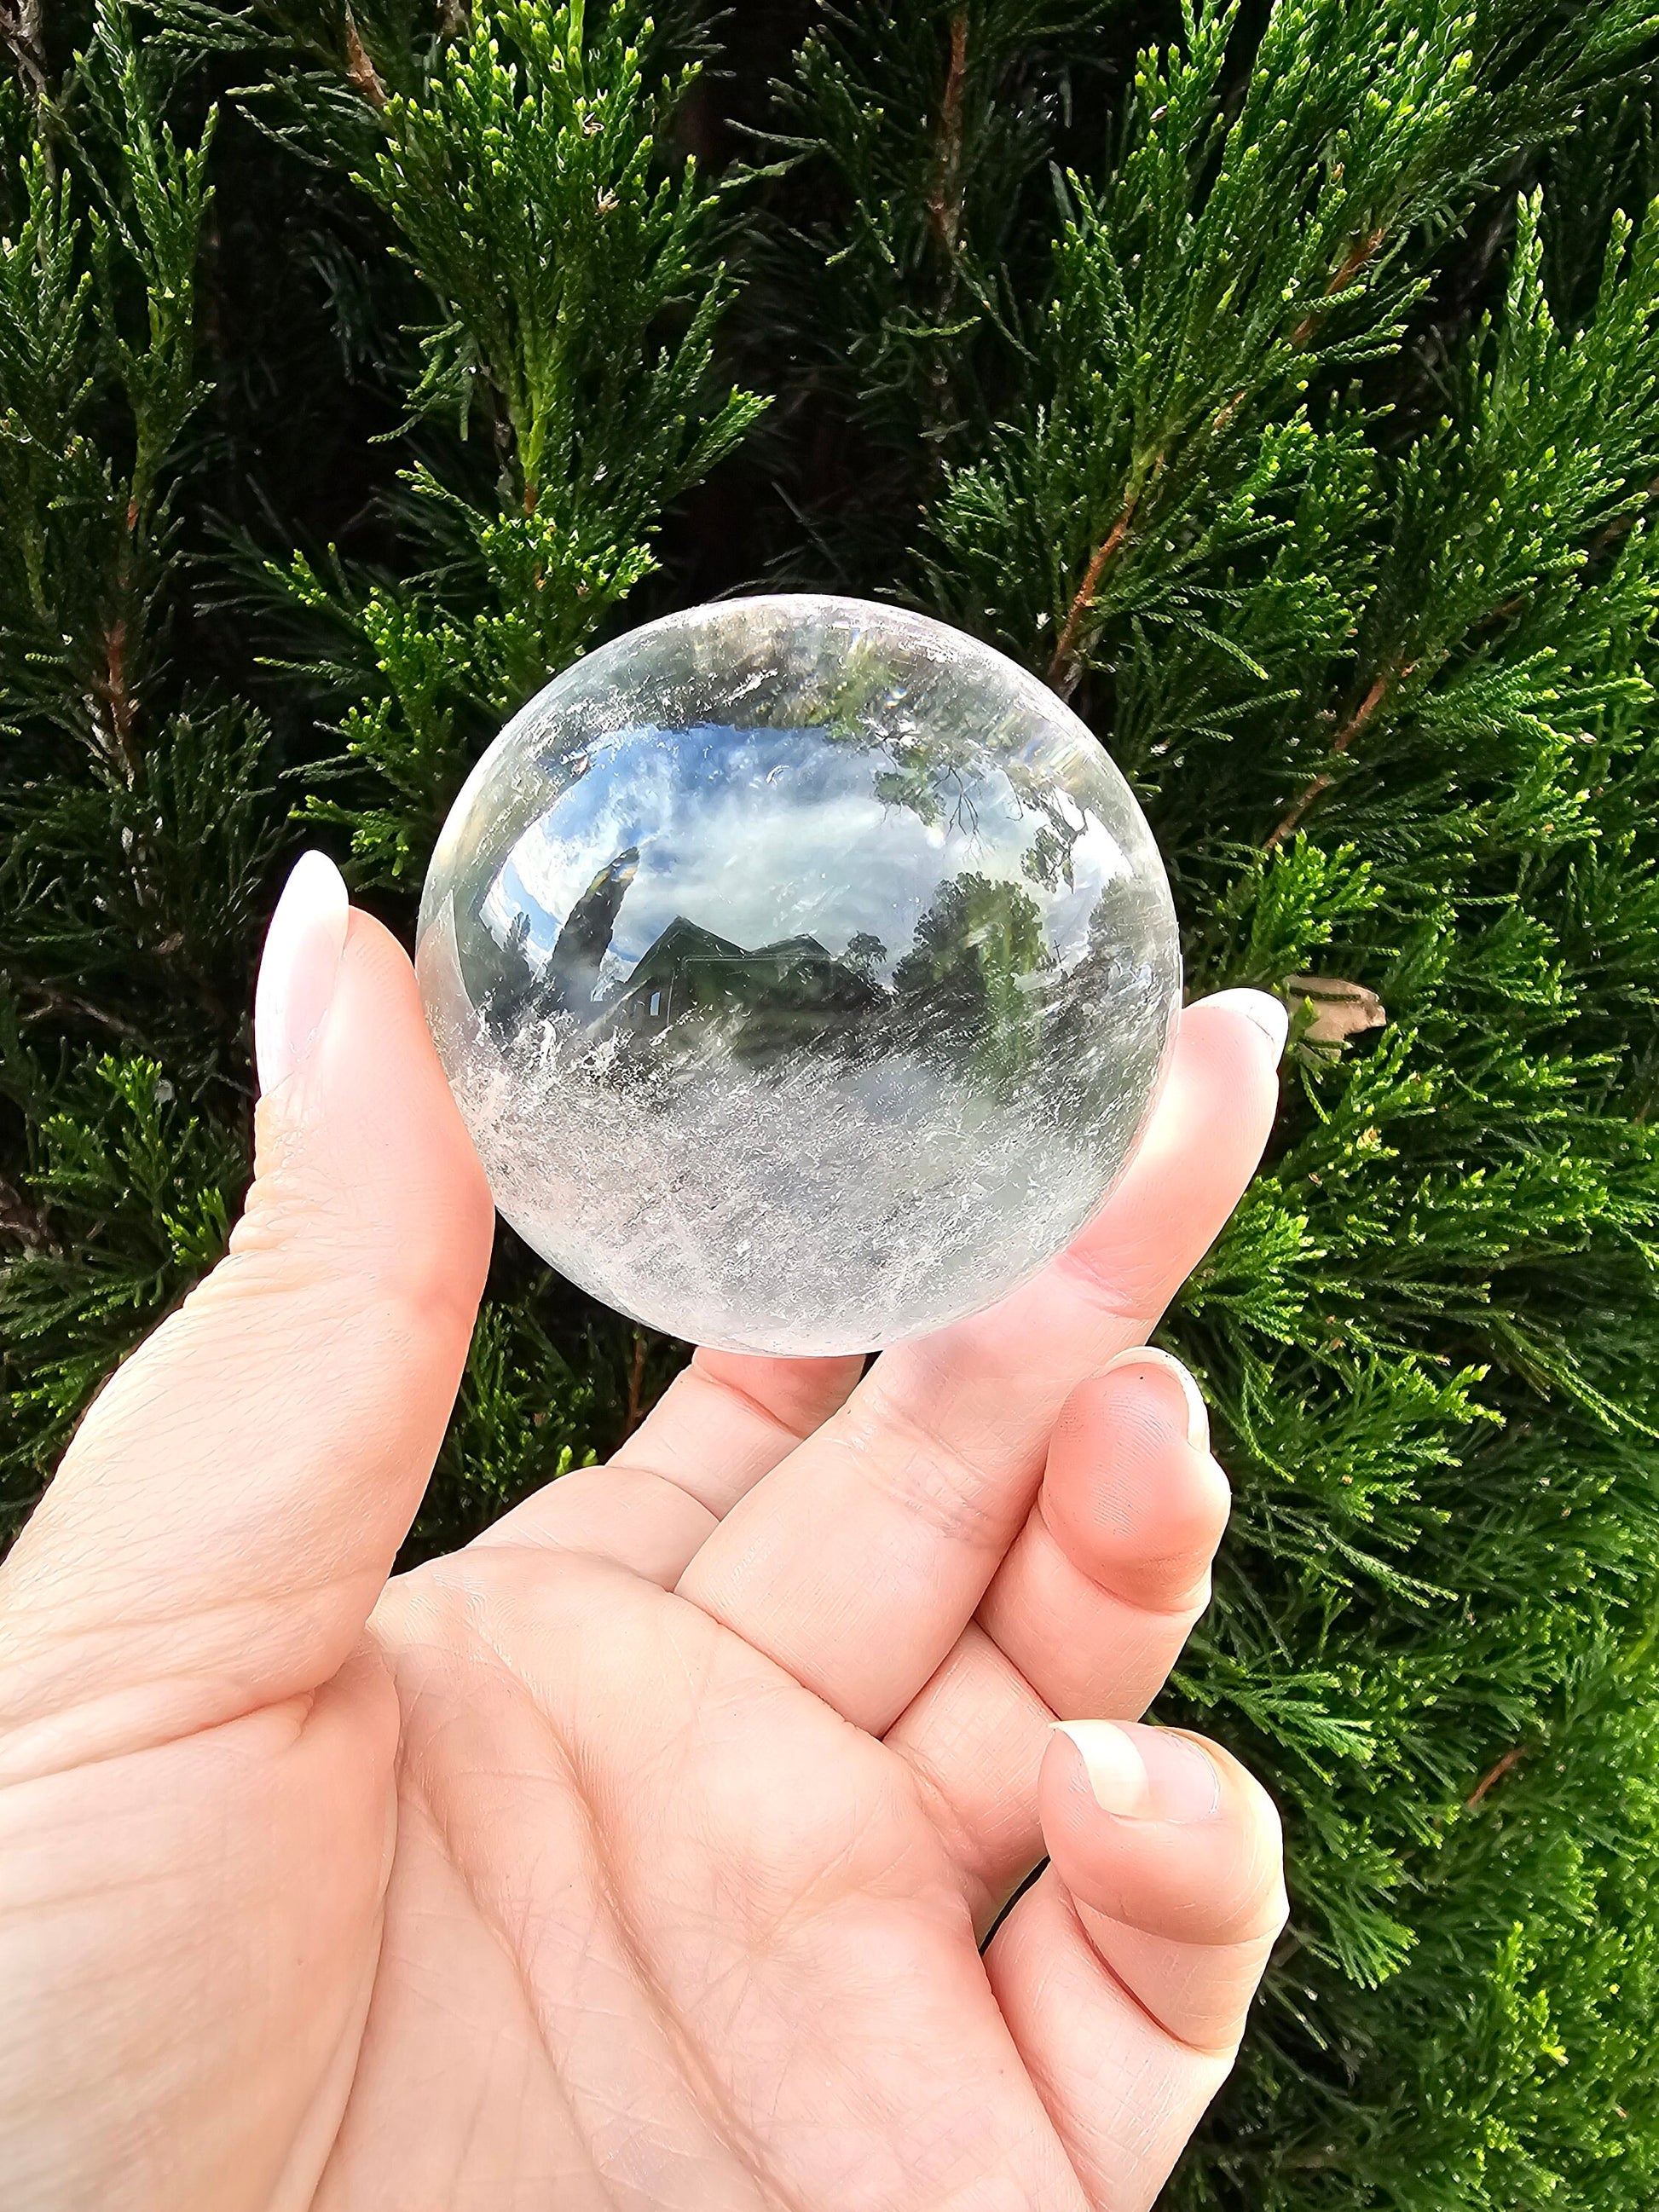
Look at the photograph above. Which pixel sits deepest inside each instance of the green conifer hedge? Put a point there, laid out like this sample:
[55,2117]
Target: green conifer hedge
[1280,382]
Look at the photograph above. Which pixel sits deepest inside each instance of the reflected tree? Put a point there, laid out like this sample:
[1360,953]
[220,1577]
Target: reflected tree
[866,954]
[971,978]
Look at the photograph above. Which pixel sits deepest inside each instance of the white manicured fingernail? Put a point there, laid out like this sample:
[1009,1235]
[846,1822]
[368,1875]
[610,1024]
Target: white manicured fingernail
[1148,1358]
[1146,1773]
[1270,1015]
[298,967]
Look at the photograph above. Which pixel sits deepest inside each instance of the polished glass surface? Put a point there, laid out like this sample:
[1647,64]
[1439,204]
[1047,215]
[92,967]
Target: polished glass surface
[805,972]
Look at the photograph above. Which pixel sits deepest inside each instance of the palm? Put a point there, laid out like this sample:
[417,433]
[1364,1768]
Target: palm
[718,1929]
[638,1855]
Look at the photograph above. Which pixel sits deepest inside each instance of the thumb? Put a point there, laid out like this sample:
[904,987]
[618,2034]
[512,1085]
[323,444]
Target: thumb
[230,1508]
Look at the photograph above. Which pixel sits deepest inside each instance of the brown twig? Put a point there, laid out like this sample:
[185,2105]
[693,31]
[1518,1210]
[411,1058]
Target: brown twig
[1359,253]
[1061,674]
[1385,683]
[635,1411]
[945,203]
[22,33]
[1292,819]
[1509,1761]
[51,1000]
[1622,524]
[118,695]
[21,1221]
[360,66]
[1380,687]
[1501,611]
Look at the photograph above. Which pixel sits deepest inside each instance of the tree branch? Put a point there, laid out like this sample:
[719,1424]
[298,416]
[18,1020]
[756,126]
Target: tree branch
[635,1409]
[22,33]
[118,698]
[1062,676]
[22,1222]
[944,202]
[1359,254]
[360,66]
[1624,524]
[1380,687]
[945,217]
[1506,1765]
[49,999]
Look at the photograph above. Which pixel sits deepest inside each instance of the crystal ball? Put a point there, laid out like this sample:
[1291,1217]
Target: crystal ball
[805,972]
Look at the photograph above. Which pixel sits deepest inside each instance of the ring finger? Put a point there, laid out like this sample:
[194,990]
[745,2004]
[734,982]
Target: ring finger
[1084,1617]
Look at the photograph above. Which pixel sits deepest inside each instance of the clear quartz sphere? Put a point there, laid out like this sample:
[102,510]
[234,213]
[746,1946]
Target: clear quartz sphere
[805,971]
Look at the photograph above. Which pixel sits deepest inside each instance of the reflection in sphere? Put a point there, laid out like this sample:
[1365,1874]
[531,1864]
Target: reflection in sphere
[805,972]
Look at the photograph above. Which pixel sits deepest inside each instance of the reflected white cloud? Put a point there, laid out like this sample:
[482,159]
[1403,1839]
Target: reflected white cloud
[760,836]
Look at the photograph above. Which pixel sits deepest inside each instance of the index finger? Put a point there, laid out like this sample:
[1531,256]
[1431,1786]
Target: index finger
[225,1518]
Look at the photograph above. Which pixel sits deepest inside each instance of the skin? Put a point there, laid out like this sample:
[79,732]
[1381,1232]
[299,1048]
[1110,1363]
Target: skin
[640,1854]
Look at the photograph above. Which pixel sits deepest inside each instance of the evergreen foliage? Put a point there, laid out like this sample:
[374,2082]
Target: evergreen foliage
[1282,382]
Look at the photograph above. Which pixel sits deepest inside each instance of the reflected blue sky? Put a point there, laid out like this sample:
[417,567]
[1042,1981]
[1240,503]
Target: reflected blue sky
[766,834]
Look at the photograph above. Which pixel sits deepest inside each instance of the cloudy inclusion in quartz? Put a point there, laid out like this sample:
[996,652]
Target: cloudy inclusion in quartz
[803,971]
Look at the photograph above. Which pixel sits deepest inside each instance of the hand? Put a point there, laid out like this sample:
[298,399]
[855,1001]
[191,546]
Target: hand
[640,1854]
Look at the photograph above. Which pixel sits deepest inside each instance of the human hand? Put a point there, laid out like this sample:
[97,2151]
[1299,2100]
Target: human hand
[638,1855]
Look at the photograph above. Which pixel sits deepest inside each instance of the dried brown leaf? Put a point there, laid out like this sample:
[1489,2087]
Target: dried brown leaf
[1340,1009]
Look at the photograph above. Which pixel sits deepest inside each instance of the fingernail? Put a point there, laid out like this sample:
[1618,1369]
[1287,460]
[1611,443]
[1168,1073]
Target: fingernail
[298,967]
[1270,1015]
[1146,1773]
[1151,1362]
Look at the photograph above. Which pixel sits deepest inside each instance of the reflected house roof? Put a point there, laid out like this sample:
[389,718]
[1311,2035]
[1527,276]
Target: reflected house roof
[691,967]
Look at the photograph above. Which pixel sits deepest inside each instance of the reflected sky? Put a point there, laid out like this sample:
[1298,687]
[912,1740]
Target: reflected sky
[763,834]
